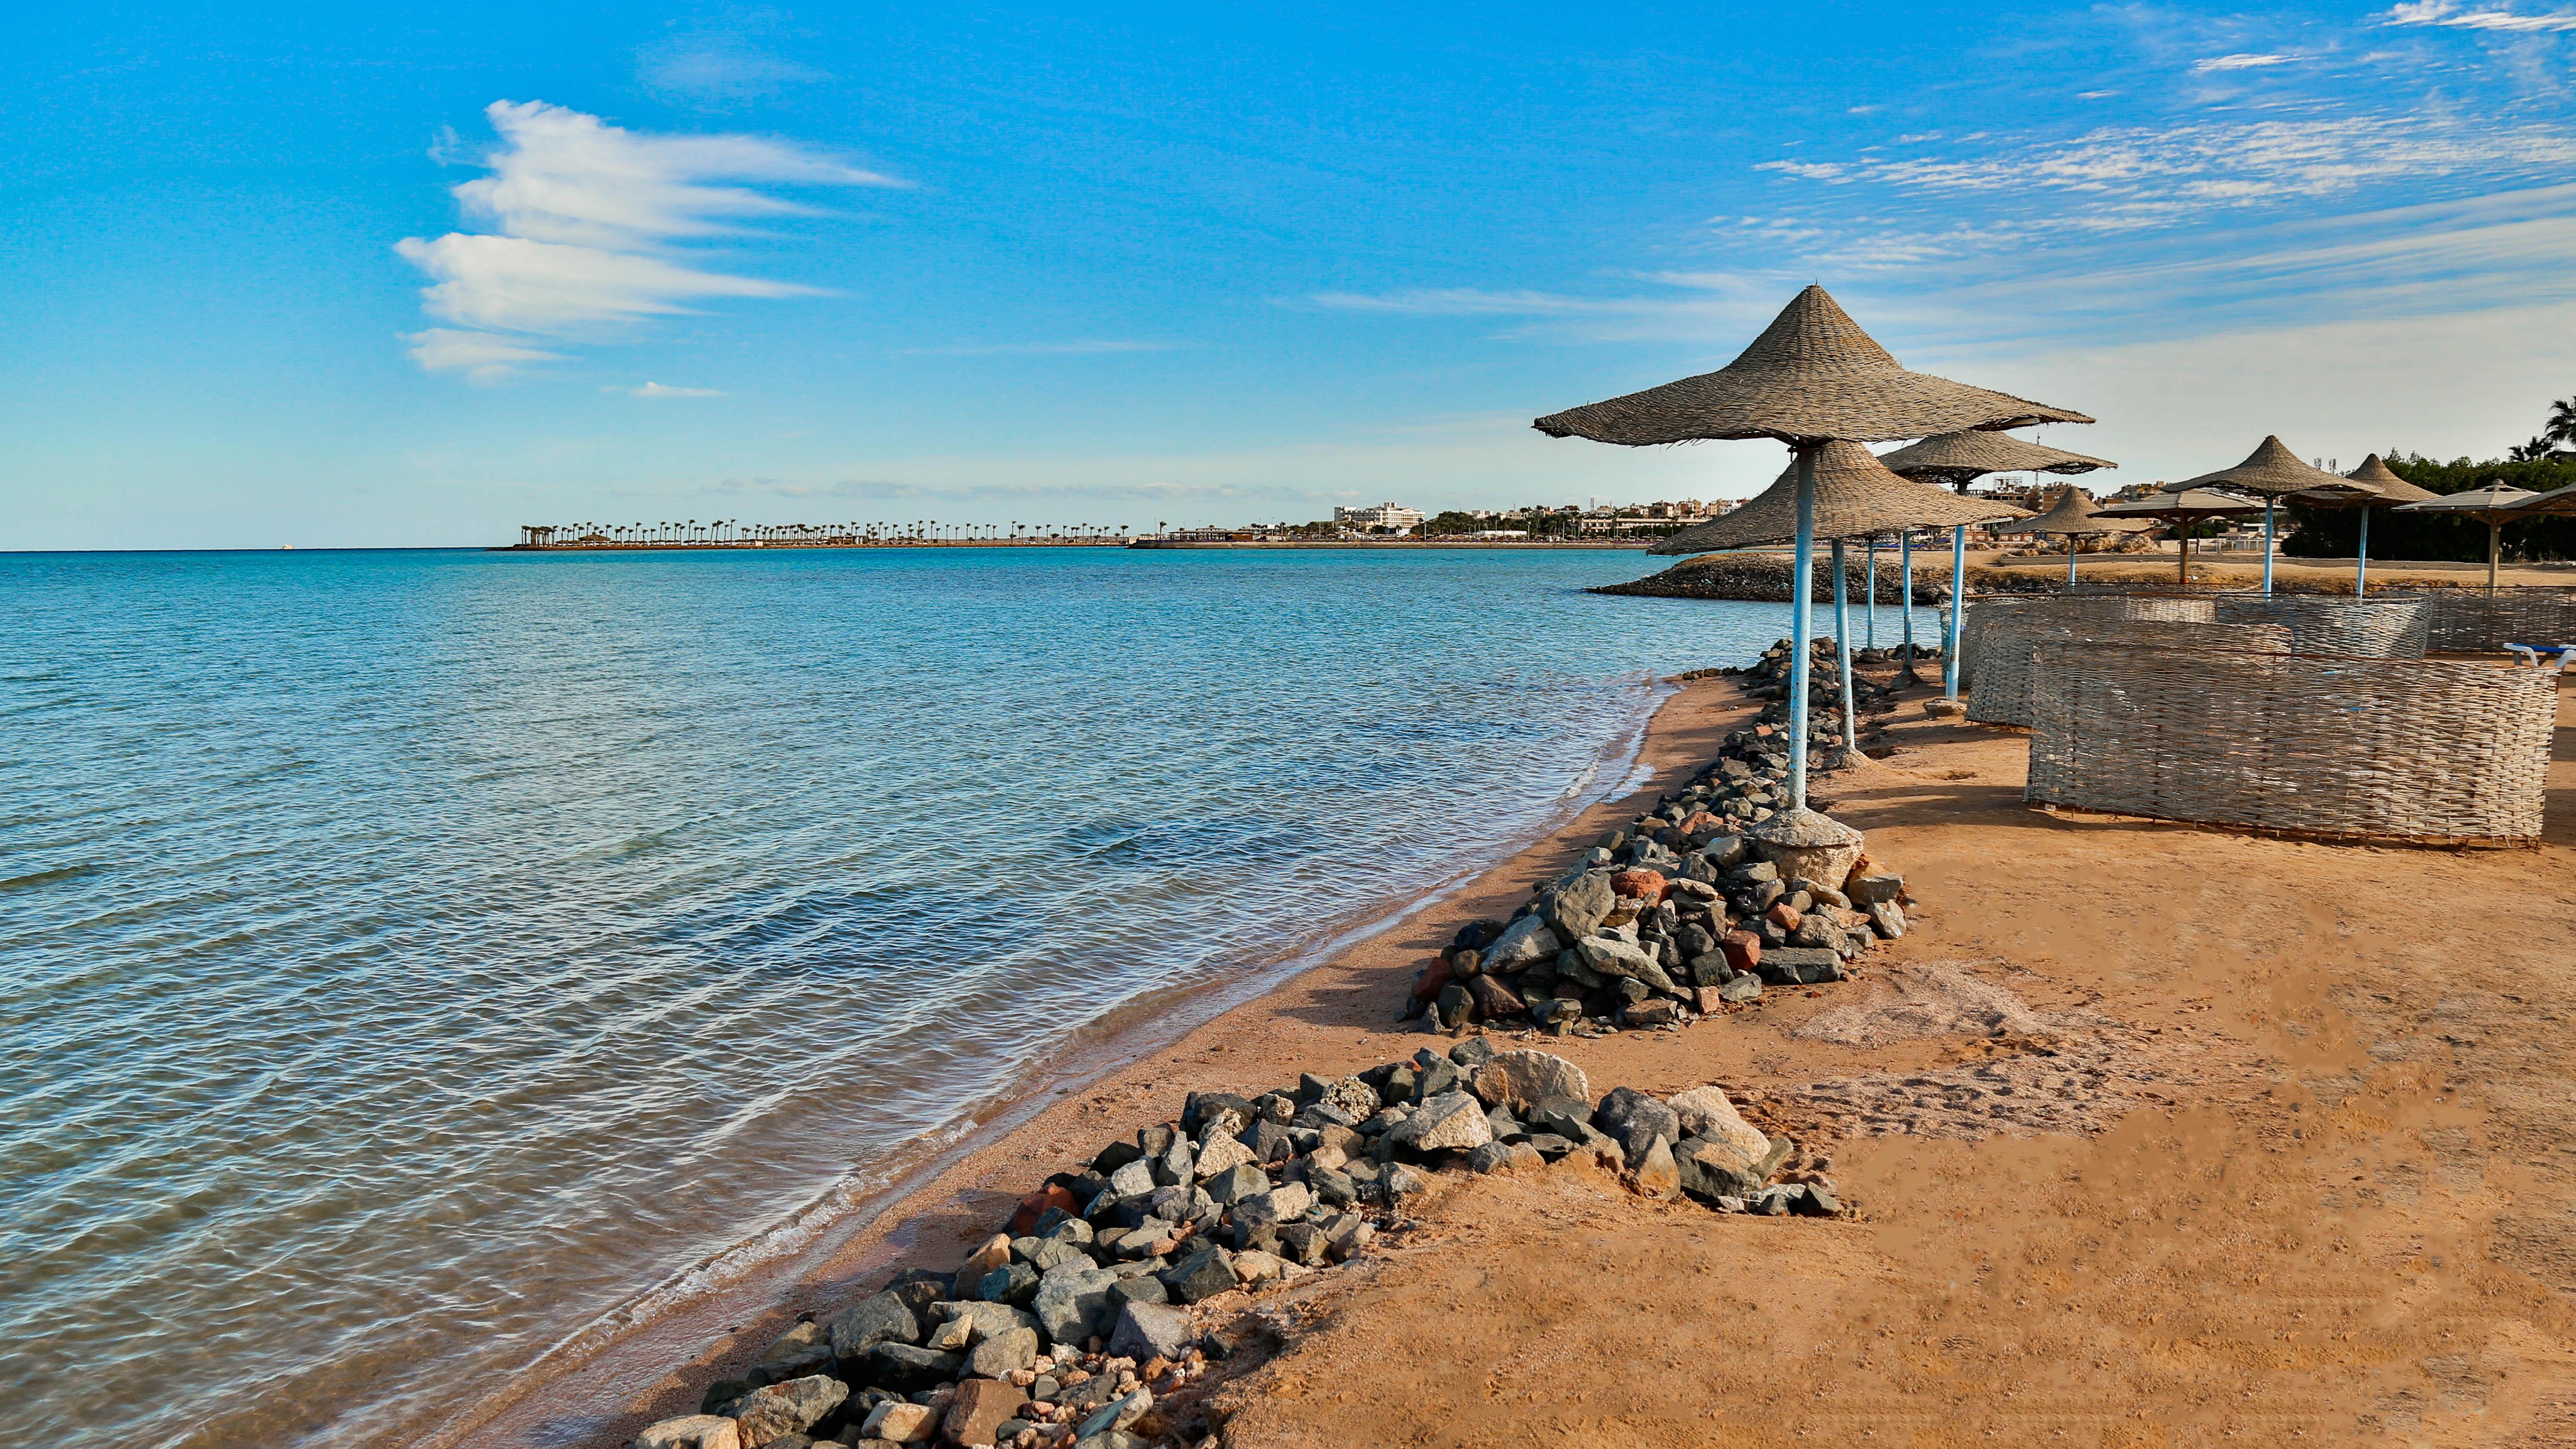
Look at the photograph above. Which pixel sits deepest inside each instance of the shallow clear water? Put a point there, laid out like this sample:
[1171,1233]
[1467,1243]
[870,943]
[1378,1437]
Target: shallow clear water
[406,957]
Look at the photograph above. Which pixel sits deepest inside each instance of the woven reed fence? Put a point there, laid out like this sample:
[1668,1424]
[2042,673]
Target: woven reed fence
[2006,688]
[1995,610]
[2463,622]
[2360,628]
[2405,749]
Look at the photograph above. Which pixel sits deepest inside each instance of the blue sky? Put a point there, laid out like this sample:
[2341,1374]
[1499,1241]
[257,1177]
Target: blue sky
[416,275]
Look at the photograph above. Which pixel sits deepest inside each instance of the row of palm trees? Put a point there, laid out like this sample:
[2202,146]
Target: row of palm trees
[734,533]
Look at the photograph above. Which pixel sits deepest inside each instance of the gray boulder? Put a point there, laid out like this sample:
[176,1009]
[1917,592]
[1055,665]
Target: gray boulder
[1523,944]
[1799,965]
[1151,1330]
[904,1368]
[1136,1179]
[690,1431]
[804,1349]
[1073,1304]
[1452,1119]
[1201,1275]
[1004,1354]
[1610,956]
[880,1318]
[1576,908]
[1237,1182]
[1626,1112]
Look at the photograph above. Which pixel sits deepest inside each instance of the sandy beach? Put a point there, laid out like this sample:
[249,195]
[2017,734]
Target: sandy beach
[2157,1134]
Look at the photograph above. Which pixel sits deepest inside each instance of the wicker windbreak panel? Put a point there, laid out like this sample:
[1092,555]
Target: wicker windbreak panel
[2362,628]
[2009,681]
[2386,748]
[2461,622]
[2070,609]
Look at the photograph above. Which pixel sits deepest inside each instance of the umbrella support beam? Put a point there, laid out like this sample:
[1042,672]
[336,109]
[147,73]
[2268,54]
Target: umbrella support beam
[1958,600]
[2268,504]
[1872,638]
[1905,608]
[2361,559]
[1850,748]
[2070,560]
[1802,582]
[2495,546]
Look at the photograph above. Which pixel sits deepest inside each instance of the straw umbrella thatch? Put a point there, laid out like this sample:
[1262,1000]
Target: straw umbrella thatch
[1851,495]
[2075,516]
[1812,377]
[2494,505]
[2182,510]
[1955,459]
[2271,472]
[2372,485]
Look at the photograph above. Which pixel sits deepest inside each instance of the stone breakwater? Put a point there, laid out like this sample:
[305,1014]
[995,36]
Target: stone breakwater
[1679,916]
[1121,1291]
[1763,578]
[1108,1307]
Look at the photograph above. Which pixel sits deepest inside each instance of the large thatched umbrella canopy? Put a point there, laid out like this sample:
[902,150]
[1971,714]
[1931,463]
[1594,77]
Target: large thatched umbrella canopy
[2271,472]
[2494,505]
[1855,496]
[1954,458]
[2075,512]
[1812,377]
[2372,485]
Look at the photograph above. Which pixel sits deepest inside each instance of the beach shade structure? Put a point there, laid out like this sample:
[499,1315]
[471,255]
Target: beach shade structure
[2075,516]
[1837,492]
[2271,472]
[1811,379]
[2182,510]
[2495,505]
[1956,459]
[2372,485]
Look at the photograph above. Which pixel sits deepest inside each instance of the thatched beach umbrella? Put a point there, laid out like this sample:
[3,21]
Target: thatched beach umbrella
[2182,510]
[2369,486]
[1956,459]
[2271,472]
[2494,505]
[1811,378]
[2074,516]
[1847,494]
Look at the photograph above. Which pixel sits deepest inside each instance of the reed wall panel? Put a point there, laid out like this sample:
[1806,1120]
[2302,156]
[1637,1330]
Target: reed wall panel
[2004,686]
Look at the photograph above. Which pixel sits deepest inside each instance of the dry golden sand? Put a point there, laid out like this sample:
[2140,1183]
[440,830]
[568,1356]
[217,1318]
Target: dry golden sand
[2312,1182]
[2160,1136]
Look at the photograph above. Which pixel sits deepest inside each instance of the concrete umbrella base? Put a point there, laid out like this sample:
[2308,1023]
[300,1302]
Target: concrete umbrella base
[1807,843]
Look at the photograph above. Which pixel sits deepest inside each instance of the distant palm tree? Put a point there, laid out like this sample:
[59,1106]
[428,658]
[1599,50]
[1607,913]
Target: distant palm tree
[2561,428]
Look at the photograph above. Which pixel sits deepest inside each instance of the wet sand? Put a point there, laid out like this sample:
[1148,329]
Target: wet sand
[1339,1015]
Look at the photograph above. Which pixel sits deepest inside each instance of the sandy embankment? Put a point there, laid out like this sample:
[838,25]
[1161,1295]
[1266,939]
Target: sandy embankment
[2160,1135]
[2281,1147]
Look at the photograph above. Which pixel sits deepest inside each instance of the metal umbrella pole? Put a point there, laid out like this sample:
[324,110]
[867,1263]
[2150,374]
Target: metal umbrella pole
[1843,654]
[2268,504]
[2070,560]
[1873,591]
[2361,563]
[1958,597]
[1801,584]
[1905,607]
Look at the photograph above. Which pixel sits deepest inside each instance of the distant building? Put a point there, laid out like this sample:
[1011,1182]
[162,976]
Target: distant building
[1393,517]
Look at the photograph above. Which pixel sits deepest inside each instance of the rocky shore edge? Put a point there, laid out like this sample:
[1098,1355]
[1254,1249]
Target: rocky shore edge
[1119,1292]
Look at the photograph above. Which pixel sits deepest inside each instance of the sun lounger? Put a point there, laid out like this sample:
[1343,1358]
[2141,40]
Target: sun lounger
[2560,657]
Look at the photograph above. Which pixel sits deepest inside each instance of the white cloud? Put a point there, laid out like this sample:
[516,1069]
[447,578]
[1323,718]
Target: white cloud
[655,389]
[2448,13]
[482,357]
[585,216]
[2240,61]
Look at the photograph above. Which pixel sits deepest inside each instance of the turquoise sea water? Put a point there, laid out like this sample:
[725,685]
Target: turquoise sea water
[408,957]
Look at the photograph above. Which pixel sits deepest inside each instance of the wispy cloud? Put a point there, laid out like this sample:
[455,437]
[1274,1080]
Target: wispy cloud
[655,389]
[2242,60]
[720,67]
[586,219]
[1075,348]
[2461,17]
[482,357]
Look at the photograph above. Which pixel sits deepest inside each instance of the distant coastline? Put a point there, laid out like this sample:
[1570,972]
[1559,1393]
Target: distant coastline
[1365,545]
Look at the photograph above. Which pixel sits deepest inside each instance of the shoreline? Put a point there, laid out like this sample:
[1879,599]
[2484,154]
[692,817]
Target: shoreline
[650,1356]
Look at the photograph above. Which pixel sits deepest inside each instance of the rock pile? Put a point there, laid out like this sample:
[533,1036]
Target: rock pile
[1675,916]
[1084,1324]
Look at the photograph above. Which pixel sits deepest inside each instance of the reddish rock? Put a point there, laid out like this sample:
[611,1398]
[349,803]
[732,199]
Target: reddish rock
[1697,821]
[1709,999]
[1642,885]
[1493,998]
[1426,985]
[1655,1011]
[1783,915]
[1743,949]
[983,1260]
[1034,1206]
[982,1406]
